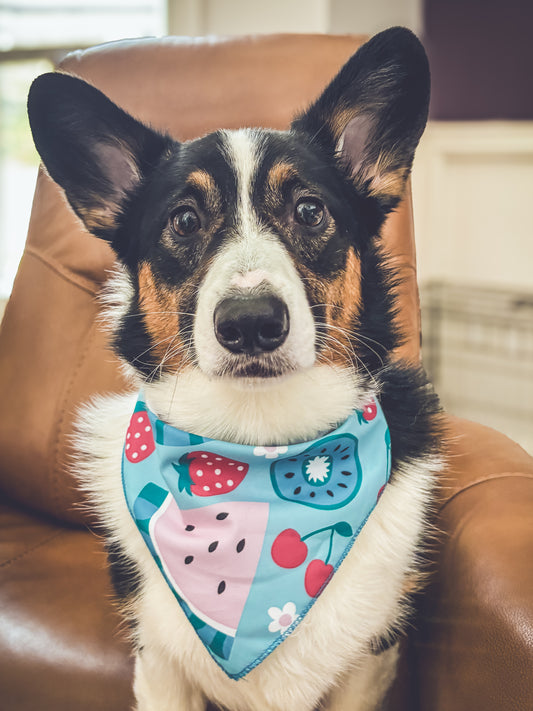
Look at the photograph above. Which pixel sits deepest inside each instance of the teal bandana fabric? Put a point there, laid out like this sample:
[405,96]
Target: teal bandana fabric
[248,537]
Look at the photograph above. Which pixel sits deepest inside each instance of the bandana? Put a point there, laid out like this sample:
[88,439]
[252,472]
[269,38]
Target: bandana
[248,537]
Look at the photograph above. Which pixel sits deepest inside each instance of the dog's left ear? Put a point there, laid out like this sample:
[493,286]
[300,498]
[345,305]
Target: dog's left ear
[372,114]
[94,150]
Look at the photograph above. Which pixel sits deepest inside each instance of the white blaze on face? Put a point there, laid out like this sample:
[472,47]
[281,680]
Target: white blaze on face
[253,255]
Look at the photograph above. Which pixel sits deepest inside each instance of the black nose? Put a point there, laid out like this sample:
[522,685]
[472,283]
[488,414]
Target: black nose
[251,324]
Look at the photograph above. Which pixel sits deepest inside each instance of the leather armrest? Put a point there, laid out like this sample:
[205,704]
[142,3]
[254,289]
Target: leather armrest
[475,626]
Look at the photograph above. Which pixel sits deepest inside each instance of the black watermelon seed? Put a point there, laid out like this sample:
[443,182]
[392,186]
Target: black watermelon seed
[346,456]
[336,448]
[190,527]
[240,545]
[312,494]
[222,516]
[297,490]
[343,486]
[344,450]
[212,546]
[293,460]
[189,559]
[324,449]
[346,473]
[289,475]
[221,587]
[330,493]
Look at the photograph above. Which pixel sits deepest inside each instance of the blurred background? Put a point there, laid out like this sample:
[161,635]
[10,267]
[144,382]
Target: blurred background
[472,181]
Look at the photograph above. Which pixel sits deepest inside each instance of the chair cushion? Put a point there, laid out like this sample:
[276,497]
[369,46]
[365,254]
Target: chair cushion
[475,624]
[60,642]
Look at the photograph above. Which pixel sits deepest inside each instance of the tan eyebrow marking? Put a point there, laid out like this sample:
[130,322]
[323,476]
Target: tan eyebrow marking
[280,173]
[205,183]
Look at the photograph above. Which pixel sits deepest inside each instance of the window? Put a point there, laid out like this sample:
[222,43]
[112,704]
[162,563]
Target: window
[34,35]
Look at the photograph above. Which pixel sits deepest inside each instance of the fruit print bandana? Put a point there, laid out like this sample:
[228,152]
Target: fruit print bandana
[248,537]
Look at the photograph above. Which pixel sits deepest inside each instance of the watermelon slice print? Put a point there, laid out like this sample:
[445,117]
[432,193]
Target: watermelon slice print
[327,475]
[209,556]
[208,474]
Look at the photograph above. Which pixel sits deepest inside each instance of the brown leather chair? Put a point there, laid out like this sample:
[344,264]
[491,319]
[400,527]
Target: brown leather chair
[62,647]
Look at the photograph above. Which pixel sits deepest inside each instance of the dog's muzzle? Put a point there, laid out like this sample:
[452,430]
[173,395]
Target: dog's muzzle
[251,324]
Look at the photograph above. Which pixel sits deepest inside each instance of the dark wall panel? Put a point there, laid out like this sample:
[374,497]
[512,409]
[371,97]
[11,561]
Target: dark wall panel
[481,54]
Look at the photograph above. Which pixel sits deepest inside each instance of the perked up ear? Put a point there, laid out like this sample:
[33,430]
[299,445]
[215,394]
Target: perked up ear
[95,151]
[372,114]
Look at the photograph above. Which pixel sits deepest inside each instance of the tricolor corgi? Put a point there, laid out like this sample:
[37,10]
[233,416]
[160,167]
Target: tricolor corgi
[264,488]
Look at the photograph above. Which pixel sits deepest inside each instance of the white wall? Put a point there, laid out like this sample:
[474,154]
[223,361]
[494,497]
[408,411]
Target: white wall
[371,16]
[234,17]
[473,193]
[230,17]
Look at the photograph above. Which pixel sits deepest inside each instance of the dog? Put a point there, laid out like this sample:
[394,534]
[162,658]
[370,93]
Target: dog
[253,304]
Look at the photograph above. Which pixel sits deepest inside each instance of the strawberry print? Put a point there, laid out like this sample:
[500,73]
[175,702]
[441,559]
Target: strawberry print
[139,437]
[208,474]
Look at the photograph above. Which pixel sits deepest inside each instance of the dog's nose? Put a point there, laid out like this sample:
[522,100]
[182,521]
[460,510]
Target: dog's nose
[251,324]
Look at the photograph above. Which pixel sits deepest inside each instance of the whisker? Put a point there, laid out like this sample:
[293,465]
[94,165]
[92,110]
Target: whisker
[327,338]
[151,347]
[361,338]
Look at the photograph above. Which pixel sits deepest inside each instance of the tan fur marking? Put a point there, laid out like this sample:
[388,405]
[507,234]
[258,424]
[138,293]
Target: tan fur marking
[385,181]
[280,173]
[160,308]
[377,177]
[342,297]
[339,121]
[97,219]
[204,181]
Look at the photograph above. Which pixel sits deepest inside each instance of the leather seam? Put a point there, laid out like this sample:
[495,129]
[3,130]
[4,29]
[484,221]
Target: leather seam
[28,551]
[86,285]
[484,480]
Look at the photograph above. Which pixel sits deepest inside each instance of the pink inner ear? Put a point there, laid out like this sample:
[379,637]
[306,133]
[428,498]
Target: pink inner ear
[118,166]
[353,142]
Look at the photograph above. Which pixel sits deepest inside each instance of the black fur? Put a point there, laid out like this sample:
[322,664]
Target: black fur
[412,411]
[125,576]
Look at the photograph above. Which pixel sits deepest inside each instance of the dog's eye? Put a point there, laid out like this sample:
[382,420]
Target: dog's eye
[185,221]
[309,212]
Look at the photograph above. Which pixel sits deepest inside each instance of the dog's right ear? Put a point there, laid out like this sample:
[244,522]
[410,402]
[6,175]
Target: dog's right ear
[94,150]
[371,116]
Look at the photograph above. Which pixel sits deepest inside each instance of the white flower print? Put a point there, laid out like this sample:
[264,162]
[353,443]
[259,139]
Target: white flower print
[269,452]
[282,619]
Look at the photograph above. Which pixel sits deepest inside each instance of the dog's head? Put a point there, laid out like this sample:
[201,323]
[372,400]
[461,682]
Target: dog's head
[251,254]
